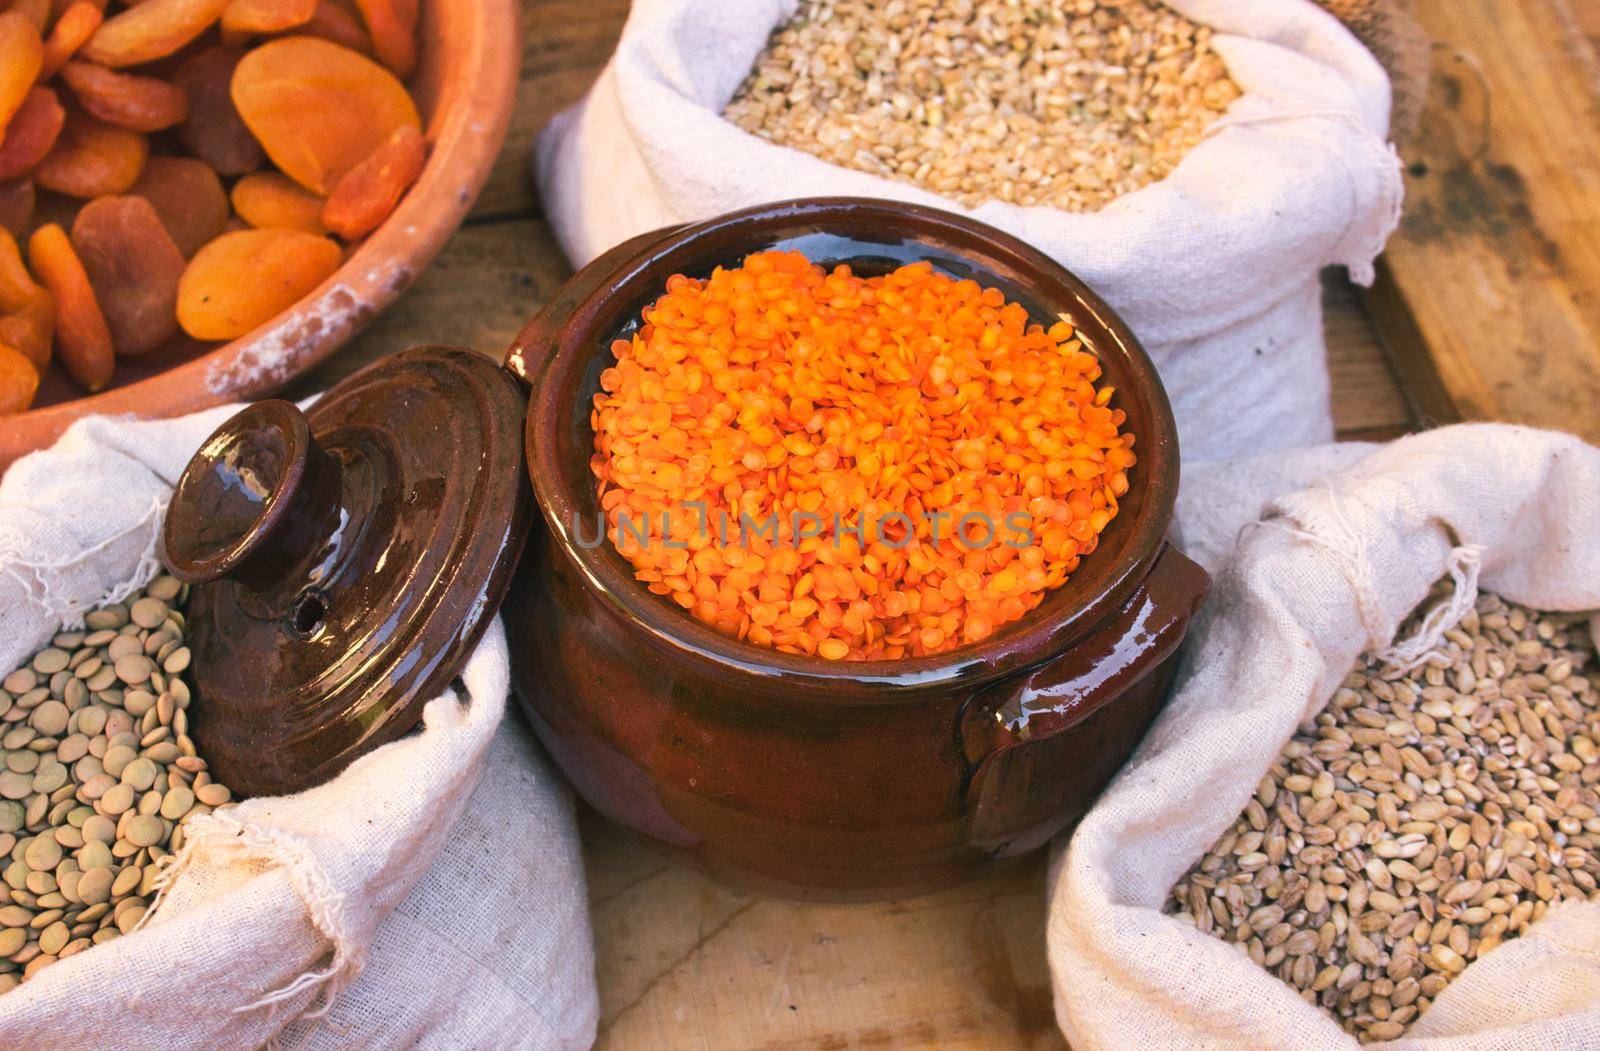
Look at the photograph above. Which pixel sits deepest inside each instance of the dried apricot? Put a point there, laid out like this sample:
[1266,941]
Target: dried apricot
[21,56]
[268,200]
[36,11]
[134,269]
[188,197]
[19,381]
[333,21]
[126,100]
[16,205]
[248,17]
[92,158]
[214,131]
[393,25]
[82,338]
[317,108]
[150,30]
[72,30]
[30,328]
[367,193]
[16,284]
[283,265]
[31,134]
[26,314]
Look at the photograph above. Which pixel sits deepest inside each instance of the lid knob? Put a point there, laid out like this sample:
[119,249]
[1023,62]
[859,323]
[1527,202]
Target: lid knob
[257,498]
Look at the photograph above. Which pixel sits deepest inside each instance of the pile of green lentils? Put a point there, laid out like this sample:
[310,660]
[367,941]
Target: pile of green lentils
[97,776]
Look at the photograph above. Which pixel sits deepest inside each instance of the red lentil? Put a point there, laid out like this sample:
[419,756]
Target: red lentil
[924,411]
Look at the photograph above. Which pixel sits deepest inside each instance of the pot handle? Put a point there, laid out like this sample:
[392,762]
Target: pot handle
[1066,690]
[537,340]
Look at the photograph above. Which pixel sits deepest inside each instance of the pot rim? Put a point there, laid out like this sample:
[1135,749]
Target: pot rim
[1101,587]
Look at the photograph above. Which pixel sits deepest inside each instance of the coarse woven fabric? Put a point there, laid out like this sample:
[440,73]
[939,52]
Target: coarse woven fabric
[1317,557]
[1400,45]
[435,885]
[1216,268]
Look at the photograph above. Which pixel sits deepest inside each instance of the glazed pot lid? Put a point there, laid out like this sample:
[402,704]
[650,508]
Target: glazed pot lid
[345,561]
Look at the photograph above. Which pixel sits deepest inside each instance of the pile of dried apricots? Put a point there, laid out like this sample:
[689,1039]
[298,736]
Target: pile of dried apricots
[187,164]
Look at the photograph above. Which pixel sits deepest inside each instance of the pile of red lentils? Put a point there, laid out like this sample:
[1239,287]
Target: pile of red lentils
[857,468]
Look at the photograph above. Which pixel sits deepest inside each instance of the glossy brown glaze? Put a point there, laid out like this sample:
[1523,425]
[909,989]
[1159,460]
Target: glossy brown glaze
[800,775]
[1044,743]
[345,561]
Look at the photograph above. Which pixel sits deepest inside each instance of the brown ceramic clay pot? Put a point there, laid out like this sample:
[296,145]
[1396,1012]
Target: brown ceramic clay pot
[346,560]
[795,774]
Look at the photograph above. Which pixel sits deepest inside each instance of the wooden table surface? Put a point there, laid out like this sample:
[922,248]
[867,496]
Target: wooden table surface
[683,962]
[1489,293]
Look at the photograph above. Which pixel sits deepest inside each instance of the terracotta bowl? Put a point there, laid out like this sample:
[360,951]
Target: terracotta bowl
[804,776]
[465,86]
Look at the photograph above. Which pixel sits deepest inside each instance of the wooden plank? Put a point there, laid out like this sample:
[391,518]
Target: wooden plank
[684,962]
[564,45]
[479,292]
[1490,298]
[1366,399]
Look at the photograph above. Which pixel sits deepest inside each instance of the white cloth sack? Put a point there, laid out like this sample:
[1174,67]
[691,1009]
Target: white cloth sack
[433,890]
[1215,268]
[1329,573]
